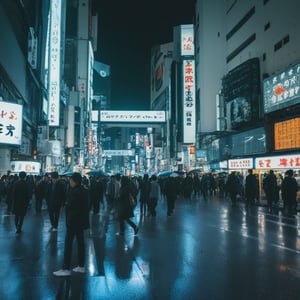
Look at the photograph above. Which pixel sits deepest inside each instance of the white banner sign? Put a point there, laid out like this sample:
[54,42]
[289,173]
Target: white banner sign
[189,102]
[129,152]
[130,116]
[11,116]
[243,163]
[278,162]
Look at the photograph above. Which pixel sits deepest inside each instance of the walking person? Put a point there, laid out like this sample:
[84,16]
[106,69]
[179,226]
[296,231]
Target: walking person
[233,187]
[110,193]
[271,190]
[96,194]
[154,195]
[251,188]
[171,194]
[41,188]
[125,209]
[56,199]
[144,195]
[289,189]
[20,200]
[77,220]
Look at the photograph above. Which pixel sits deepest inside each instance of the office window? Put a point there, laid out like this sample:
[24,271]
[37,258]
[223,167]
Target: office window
[240,48]
[247,16]
[286,39]
[267,26]
[277,46]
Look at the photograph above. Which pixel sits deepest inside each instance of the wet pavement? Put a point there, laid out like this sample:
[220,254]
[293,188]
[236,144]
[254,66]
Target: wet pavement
[206,250]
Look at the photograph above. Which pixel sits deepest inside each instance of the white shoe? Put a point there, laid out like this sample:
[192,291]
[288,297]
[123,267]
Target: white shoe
[62,273]
[79,269]
[54,229]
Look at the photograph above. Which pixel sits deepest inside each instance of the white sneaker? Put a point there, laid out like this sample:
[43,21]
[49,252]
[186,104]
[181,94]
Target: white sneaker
[54,229]
[62,273]
[79,269]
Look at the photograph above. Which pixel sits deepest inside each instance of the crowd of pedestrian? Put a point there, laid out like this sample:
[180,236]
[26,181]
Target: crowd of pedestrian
[80,195]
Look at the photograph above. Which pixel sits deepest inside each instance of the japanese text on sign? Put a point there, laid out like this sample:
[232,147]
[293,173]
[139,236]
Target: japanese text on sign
[246,163]
[278,162]
[10,123]
[189,128]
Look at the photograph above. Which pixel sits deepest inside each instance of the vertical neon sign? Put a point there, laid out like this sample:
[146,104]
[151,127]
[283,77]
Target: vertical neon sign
[54,63]
[189,111]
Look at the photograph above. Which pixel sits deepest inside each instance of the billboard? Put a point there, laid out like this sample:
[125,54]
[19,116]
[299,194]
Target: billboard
[11,116]
[189,103]
[287,134]
[241,91]
[282,90]
[30,167]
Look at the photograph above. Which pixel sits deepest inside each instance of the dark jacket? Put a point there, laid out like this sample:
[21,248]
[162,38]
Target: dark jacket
[233,184]
[125,210]
[145,191]
[20,197]
[77,209]
[251,186]
[56,195]
[289,188]
[171,188]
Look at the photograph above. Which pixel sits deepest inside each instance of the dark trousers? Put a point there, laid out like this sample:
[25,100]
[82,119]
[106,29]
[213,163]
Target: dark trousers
[250,199]
[233,197]
[96,205]
[19,222]
[54,216]
[110,203]
[38,203]
[170,205]
[122,224]
[143,208]
[70,234]
[152,206]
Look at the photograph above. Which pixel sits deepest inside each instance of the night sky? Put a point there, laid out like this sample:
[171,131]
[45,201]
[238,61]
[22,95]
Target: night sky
[127,31]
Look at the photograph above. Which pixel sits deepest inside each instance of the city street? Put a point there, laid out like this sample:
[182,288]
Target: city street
[207,250]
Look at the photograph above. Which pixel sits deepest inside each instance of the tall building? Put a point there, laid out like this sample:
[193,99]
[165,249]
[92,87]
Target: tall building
[22,81]
[246,60]
[173,79]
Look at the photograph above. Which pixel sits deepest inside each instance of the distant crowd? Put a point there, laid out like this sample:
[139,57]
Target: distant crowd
[104,191]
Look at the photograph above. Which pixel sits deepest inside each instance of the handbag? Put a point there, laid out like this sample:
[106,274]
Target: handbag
[132,200]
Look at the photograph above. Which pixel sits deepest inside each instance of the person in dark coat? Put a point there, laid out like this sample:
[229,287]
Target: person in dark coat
[20,199]
[56,199]
[251,188]
[171,194]
[77,220]
[41,189]
[125,210]
[233,187]
[289,189]
[271,189]
[96,194]
[188,186]
[144,194]
[205,185]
